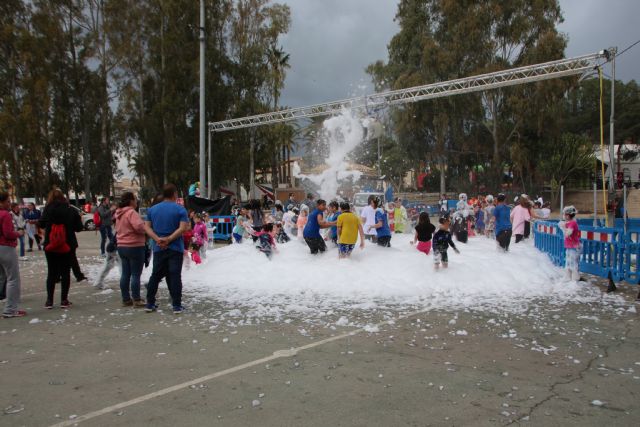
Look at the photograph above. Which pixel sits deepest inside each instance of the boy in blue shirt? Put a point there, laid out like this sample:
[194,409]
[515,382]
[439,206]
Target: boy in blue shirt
[503,223]
[383,232]
[311,231]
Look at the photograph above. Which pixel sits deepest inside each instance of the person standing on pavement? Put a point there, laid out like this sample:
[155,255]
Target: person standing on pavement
[31,217]
[106,221]
[9,266]
[58,216]
[168,220]
[18,224]
[131,234]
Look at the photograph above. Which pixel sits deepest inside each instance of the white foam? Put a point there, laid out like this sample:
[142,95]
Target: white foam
[400,277]
[344,133]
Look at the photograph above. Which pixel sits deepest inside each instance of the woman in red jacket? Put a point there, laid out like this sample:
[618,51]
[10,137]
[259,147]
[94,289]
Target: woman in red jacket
[9,267]
[130,232]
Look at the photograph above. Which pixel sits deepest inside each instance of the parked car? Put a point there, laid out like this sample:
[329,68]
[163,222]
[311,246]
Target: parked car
[360,200]
[87,219]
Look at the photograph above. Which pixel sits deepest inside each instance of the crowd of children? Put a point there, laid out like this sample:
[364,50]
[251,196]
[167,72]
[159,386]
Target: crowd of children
[335,222]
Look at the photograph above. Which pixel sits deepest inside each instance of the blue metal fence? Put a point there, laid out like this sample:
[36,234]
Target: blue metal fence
[221,227]
[605,250]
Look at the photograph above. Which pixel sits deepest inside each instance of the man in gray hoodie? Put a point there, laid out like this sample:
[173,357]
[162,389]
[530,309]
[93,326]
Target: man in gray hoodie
[106,223]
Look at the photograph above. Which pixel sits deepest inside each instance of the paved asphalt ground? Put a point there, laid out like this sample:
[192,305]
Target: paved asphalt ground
[99,364]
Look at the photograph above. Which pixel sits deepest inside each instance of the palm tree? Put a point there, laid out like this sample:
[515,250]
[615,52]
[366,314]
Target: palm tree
[278,61]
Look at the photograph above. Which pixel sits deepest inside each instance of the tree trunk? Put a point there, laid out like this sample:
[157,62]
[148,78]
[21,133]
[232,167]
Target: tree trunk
[443,175]
[274,170]
[165,151]
[104,137]
[14,147]
[84,139]
[497,163]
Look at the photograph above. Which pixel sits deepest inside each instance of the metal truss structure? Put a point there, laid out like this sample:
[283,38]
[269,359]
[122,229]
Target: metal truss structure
[515,76]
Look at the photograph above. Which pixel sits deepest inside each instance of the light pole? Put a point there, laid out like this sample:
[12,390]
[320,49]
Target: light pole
[612,186]
[203,176]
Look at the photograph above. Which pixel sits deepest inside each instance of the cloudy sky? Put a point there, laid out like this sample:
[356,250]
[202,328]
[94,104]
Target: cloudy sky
[332,41]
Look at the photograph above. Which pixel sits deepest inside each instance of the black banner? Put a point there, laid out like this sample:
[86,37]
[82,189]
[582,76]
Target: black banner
[219,207]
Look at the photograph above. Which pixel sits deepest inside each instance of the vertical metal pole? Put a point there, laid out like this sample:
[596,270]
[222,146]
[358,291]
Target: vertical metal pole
[561,200]
[595,204]
[203,177]
[209,167]
[613,52]
[624,206]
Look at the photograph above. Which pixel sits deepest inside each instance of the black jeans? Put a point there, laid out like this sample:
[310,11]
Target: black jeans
[504,239]
[166,263]
[316,244]
[384,241]
[75,266]
[519,238]
[527,229]
[58,266]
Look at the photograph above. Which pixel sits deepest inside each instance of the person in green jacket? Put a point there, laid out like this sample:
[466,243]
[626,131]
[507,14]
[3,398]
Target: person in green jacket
[400,216]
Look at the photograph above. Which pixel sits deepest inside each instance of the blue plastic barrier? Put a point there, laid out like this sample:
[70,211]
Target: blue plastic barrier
[223,227]
[605,250]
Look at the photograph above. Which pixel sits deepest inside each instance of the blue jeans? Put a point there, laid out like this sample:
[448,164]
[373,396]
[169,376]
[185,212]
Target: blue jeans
[21,242]
[105,232]
[166,264]
[132,262]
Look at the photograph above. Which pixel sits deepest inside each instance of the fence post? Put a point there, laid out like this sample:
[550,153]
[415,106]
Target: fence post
[595,204]
[624,206]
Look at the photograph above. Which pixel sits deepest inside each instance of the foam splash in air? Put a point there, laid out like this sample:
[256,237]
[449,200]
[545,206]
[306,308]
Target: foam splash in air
[344,133]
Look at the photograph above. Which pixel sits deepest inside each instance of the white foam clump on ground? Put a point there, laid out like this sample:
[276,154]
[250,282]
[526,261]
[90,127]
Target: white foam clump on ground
[295,281]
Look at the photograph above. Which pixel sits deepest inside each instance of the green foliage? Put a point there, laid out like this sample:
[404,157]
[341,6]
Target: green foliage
[85,82]
[442,40]
[565,157]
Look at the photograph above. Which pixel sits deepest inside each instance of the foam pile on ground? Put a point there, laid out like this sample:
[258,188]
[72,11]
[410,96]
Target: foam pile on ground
[398,278]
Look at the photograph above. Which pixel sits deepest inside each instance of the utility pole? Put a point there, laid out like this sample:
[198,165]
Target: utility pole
[210,172]
[203,176]
[612,186]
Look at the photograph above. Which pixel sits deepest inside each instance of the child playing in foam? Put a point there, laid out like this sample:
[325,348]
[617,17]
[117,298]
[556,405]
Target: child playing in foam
[266,239]
[441,242]
[424,233]
[572,243]
[302,221]
[348,228]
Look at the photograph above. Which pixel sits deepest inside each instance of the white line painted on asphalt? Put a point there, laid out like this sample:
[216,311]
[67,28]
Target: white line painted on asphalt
[276,355]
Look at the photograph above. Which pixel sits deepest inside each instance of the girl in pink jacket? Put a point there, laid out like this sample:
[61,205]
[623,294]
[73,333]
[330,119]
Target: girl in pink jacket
[519,215]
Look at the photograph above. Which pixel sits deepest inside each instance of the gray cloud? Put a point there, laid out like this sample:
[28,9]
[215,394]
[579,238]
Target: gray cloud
[332,41]
[592,25]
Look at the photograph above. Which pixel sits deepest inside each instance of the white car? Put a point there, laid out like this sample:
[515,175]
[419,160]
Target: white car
[87,219]
[360,200]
